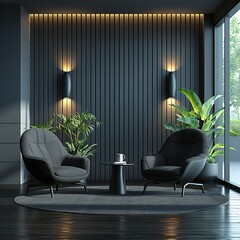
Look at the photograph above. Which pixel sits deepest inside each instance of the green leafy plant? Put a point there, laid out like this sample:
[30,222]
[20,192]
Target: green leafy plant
[47,126]
[201,117]
[77,127]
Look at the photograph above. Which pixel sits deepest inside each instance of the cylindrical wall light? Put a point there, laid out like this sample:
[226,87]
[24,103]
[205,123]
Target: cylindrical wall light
[171,85]
[66,85]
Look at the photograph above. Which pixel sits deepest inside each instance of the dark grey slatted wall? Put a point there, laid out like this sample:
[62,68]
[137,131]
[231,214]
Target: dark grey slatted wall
[119,64]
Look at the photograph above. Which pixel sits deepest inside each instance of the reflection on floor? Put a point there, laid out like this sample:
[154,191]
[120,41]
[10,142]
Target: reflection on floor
[235,172]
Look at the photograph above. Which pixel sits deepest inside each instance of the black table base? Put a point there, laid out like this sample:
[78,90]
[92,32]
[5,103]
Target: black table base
[118,183]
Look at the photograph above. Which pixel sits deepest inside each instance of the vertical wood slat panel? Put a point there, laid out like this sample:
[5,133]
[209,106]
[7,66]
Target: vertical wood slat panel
[126,80]
[119,64]
[140,117]
[163,73]
[135,170]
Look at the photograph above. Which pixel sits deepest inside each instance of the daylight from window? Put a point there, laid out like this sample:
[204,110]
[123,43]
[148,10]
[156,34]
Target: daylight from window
[234,87]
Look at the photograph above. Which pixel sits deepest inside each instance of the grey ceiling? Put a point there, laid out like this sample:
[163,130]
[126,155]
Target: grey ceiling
[120,6]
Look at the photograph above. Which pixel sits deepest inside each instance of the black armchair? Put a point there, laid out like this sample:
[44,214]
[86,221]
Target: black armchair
[180,160]
[47,160]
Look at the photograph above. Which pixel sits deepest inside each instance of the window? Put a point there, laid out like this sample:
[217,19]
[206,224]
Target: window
[227,83]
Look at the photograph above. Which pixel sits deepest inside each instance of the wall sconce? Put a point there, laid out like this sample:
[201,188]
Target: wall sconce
[66,85]
[171,85]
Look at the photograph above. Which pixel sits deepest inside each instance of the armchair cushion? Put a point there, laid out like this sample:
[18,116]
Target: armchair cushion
[162,172]
[77,161]
[69,174]
[66,171]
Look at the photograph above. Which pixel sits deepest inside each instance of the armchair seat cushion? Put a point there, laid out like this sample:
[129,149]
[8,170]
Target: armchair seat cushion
[68,171]
[161,172]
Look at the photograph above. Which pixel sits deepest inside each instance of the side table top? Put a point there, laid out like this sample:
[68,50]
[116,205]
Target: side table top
[117,164]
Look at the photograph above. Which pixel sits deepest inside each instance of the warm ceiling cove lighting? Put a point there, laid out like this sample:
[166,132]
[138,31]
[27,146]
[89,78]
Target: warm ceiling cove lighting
[185,15]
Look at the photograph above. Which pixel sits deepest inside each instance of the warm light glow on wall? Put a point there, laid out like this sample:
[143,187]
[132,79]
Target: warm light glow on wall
[66,106]
[172,101]
[171,61]
[167,102]
[66,102]
[66,67]
[170,55]
[171,65]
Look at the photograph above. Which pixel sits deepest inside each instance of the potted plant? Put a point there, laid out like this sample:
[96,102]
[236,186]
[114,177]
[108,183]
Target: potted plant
[77,127]
[202,117]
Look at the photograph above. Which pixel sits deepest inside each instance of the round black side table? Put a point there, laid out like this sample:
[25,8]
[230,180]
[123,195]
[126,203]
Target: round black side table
[118,183]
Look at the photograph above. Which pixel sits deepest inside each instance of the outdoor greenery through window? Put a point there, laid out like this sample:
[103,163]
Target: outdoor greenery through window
[235,74]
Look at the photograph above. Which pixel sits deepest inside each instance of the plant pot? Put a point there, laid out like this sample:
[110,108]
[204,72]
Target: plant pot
[209,173]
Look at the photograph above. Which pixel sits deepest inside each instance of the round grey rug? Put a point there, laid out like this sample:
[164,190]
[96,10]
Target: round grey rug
[156,200]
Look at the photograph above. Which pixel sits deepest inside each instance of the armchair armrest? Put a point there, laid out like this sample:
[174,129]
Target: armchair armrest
[77,161]
[192,167]
[152,161]
[148,162]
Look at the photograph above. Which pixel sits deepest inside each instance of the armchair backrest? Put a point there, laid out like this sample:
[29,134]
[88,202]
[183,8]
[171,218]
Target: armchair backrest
[184,144]
[41,144]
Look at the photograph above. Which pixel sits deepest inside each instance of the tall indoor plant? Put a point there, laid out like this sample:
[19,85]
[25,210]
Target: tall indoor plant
[77,127]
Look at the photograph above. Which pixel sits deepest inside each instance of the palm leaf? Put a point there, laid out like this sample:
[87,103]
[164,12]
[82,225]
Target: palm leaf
[217,153]
[207,106]
[193,98]
[217,145]
[207,126]
[87,150]
[214,117]
[183,111]
[191,122]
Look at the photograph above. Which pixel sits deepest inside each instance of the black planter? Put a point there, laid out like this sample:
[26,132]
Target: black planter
[209,173]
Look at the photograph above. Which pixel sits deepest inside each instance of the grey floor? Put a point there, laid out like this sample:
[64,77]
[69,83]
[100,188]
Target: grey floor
[217,223]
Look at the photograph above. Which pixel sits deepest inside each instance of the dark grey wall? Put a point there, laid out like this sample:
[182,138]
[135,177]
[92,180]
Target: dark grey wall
[119,65]
[208,60]
[13,70]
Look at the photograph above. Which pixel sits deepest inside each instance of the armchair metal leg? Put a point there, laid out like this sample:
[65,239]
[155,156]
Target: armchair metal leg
[84,185]
[146,184]
[85,188]
[175,185]
[35,185]
[51,191]
[27,189]
[145,187]
[194,184]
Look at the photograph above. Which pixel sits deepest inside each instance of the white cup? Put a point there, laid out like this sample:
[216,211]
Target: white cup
[120,157]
